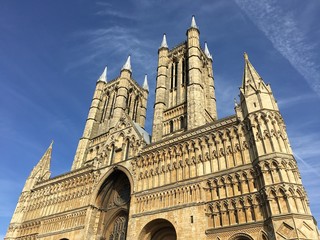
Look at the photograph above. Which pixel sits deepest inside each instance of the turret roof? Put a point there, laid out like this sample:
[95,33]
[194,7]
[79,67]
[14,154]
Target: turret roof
[127,65]
[103,77]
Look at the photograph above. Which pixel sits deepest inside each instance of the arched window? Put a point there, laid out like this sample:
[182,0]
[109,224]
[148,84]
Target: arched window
[119,229]
[176,75]
[126,149]
[172,76]
[105,108]
[129,99]
[135,109]
[182,122]
[171,126]
[183,72]
[113,103]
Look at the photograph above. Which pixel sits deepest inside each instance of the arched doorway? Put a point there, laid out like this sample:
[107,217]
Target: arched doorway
[113,201]
[241,236]
[158,229]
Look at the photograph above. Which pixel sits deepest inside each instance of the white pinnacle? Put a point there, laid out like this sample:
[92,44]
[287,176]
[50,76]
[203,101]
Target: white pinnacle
[103,77]
[193,22]
[206,51]
[127,65]
[164,42]
[145,83]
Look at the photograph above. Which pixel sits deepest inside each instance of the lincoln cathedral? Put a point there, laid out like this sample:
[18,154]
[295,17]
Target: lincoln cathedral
[196,177]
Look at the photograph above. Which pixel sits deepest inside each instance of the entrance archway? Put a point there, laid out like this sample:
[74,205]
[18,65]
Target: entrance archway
[113,201]
[241,236]
[158,229]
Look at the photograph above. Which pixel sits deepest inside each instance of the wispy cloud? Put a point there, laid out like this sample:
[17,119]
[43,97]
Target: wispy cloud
[114,41]
[113,13]
[306,145]
[225,94]
[282,29]
[288,102]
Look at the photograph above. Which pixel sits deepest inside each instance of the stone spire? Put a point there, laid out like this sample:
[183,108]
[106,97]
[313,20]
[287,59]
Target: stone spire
[103,77]
[251,78]
[127,65]
[145,83]
[193,23]
[255,94]
[164,42]
[206,51]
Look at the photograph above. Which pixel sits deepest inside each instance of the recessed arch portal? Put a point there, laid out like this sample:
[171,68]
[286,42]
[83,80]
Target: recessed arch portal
[158,229]
[113,200]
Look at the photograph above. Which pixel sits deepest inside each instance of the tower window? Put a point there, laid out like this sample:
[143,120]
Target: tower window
[172,71]
[187,71]
[171,126]
[183,72]
[176,75]
[182,122]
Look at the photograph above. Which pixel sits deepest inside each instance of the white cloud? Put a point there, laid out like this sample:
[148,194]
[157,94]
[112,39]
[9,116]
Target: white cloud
[113,13]
[281,28]
[115,41]
[288,102]
[305,145]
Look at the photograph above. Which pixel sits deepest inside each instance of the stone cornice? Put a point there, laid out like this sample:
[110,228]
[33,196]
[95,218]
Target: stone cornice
[167,209]
[64,176]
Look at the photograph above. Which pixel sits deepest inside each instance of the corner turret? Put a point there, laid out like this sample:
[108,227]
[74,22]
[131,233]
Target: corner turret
[255,94]
[41,171]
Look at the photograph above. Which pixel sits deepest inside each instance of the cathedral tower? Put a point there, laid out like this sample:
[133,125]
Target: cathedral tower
[185,96]
[111,100]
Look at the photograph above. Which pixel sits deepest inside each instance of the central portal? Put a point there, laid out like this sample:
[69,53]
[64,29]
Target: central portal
[114,201]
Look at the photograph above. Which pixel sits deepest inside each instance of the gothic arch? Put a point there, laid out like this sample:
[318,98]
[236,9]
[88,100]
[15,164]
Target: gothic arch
[117,168]
[158,229]
[113,201]
[241,236]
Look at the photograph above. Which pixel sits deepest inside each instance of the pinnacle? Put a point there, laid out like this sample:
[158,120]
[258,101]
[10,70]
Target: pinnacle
[103,77]
[193,23]
[206,51]
[164,42]
[245,55]
[127,65]
[145,83]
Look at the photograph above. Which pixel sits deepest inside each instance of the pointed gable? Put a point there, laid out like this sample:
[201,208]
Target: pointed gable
[41,171]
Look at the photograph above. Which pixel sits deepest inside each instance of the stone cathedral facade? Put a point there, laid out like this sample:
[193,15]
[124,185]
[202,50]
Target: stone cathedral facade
[197,177]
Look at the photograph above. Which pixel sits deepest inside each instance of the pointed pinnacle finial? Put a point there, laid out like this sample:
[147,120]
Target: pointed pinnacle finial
[103,77]
[164,42]
[193,22]
[145,83]
[206,51]
[127,65]
[235,102]
[245,55]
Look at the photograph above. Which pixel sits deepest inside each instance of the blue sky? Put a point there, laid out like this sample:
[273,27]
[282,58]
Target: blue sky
[52,53]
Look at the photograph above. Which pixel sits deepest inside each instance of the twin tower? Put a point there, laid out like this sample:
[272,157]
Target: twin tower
[185,94]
